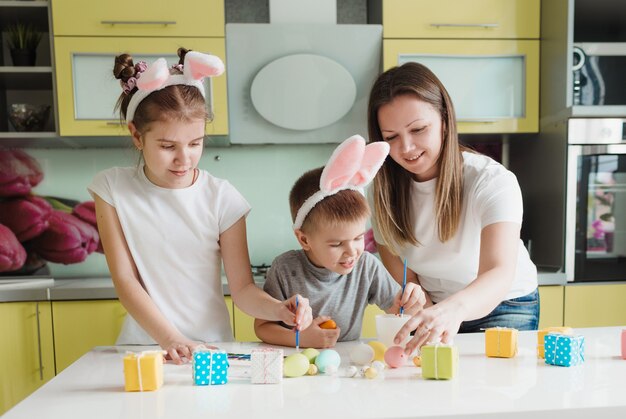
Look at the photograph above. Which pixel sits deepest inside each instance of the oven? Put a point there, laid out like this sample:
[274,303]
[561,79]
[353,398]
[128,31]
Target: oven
[595,233]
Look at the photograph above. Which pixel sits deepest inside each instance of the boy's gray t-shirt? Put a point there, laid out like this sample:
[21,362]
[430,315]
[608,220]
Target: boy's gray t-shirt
[342,297]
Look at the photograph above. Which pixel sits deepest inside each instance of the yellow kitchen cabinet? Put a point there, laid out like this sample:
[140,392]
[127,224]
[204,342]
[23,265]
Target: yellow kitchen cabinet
[595,305]
[495,19]
[27,353]
[229,305]
[159,18]
[494,84]
[551,299]
[244,326]
[81,325]
[88,92]
[368,328]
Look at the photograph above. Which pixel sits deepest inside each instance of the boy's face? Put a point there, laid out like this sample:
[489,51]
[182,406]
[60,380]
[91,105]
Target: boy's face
[334,247]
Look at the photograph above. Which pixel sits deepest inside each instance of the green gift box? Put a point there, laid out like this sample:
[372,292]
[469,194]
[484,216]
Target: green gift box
[439,361]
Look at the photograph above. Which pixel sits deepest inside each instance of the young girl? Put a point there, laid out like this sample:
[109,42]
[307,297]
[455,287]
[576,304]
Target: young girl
[165,224]
[454,215]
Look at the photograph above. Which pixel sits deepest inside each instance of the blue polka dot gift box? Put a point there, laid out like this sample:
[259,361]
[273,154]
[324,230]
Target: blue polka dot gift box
[209,367]
[564,350]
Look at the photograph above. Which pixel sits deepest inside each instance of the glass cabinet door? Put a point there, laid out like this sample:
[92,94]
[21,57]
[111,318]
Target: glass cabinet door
[493,84]
[88,91]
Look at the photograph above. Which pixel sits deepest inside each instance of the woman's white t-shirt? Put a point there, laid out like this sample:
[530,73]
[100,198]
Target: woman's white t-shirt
[173,237]
[491,194]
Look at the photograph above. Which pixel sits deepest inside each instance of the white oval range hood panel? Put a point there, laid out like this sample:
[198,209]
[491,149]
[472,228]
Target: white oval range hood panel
[299,83]
[304,83]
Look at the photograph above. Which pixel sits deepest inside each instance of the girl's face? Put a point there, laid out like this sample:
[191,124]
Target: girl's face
[413,129]
[171,151]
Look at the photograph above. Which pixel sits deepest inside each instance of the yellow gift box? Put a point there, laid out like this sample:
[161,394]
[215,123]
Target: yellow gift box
[543,332]
[143,371]
[501,342]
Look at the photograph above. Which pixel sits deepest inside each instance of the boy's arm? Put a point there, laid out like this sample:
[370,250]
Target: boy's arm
[313,337]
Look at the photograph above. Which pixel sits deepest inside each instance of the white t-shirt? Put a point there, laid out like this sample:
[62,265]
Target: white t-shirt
[173,237]
[491,194]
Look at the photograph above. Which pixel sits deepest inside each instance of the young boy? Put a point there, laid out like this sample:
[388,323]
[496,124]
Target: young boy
[332,270]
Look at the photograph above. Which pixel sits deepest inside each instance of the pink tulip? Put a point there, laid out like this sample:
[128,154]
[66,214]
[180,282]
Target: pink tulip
[19,173]
[67,240]
[27,217]
[86,211]
[12,254]
[370,243]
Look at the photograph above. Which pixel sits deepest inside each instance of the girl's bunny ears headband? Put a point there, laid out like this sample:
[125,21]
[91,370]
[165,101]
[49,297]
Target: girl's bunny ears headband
[196,67]
[351,166]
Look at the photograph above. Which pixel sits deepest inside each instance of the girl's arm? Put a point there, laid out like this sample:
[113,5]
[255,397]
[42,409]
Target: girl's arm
[395,267]
[313,337]
[246,295]
[128,286]
[499,244]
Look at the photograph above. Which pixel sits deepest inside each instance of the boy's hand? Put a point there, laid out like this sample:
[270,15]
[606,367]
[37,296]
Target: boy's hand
[316,337]
[413,299]
[300,317]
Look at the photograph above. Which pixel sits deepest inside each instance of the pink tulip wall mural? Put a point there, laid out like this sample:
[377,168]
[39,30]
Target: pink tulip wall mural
[36,229]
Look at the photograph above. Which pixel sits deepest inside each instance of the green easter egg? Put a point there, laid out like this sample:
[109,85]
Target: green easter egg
[311,354]
[295,365]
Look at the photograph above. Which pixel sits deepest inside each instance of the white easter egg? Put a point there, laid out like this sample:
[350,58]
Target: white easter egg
[362,354]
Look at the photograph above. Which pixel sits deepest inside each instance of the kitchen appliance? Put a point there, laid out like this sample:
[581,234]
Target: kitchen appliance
[595,233]
[300,83]
[599,74]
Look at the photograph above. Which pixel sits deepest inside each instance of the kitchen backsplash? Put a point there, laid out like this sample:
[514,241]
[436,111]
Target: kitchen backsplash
[263,174]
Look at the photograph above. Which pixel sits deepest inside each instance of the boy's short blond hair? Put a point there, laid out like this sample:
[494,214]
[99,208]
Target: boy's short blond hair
[345,206]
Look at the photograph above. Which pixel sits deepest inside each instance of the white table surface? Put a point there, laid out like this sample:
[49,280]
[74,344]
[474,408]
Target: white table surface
[524,386]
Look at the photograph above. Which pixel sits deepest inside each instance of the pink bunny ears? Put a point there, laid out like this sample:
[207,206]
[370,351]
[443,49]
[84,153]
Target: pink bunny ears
[351,166]
[196,67]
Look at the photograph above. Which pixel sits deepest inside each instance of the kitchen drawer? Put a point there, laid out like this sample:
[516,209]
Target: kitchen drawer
[595,305]
[160,18]
[501,19]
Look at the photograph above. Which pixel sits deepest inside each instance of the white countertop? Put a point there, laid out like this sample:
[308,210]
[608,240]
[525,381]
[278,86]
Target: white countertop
[93,387]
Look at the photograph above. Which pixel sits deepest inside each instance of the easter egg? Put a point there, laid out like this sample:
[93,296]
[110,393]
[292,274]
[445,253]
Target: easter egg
[328,324]
[295,365]
[327,358]
[311,353]
[371,373]
[395,356]
[312,370]
[379,350]
[362,354]
[417,361]
[379,365]
[352,371]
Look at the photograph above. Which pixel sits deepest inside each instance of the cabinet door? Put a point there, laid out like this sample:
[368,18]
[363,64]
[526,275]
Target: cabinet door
[368,329]
[551,306]
[81,325]
[229,305]
[595,305]
[494,84]
[88,92]
[502,19]
[27,354]
[138,18]
[244,326]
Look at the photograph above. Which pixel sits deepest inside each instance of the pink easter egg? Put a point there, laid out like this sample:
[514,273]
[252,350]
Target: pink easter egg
[395,356]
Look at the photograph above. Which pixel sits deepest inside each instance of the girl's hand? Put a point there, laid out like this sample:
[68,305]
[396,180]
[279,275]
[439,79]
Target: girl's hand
[300,317]
[179,350]
[316,337]
[413,299]
[437,323]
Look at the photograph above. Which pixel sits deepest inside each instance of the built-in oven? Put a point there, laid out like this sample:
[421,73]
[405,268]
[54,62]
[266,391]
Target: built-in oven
[595,234]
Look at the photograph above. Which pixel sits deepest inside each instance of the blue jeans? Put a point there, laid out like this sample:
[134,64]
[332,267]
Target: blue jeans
[520,313]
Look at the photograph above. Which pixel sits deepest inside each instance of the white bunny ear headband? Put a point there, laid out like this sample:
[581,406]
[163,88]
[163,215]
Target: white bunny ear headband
[196,67]
[351,166]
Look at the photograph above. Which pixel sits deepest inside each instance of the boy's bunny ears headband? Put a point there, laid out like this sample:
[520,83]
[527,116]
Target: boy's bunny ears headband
[351,166]
[196,67]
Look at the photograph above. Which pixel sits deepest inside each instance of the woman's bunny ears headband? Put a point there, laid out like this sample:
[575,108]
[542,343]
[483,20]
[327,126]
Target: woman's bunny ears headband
[196,67]
[351,166]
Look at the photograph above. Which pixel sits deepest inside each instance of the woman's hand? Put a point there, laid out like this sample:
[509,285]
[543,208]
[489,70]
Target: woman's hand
[179,350]
[413,299]
[316,337]
[300,317]
[437,323]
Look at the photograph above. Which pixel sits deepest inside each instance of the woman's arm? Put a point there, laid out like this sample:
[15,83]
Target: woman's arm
[246,295]
[496,271]
[128,286]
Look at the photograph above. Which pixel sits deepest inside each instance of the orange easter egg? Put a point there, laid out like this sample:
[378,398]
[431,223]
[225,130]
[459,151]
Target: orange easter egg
[329,324]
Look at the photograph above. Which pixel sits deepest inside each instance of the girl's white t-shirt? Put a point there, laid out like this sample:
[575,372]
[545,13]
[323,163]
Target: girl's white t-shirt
[173,237]
[491,194]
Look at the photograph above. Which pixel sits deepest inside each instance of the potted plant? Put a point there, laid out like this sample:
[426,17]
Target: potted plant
[23,40]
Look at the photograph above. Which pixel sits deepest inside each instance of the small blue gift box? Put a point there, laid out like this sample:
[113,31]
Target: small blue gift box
[564,350]
[209,367]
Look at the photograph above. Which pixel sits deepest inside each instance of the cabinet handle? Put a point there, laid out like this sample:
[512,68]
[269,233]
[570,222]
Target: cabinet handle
[479,120]
[466,25]
[39,342]
[138,22]
[116,123]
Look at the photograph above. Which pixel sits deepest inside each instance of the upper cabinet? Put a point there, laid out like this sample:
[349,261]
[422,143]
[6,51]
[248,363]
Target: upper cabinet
[486,53]
[87,37]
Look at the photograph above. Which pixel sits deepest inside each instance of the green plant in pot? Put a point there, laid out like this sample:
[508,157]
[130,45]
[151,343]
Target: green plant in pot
[23,40]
